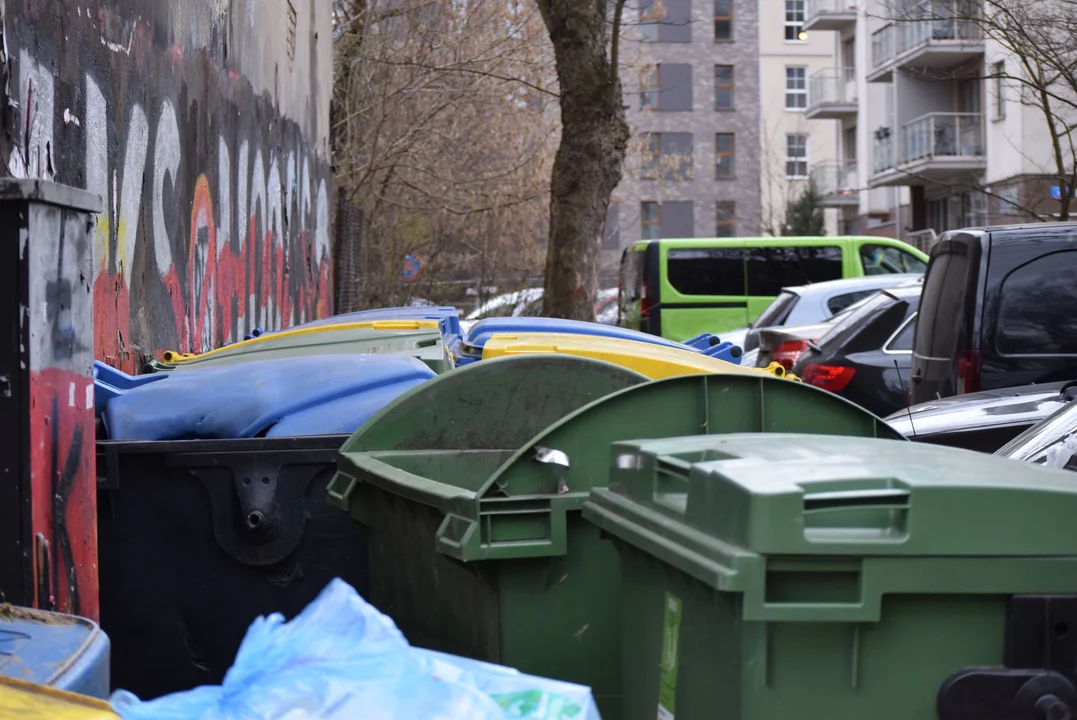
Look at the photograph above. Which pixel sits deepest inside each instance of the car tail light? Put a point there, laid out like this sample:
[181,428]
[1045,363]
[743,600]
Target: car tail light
[787,353]
[968,371]
[834,378]
[644,303]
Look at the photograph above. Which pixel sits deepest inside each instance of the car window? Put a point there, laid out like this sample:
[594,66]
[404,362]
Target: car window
[772,268]
[706,271]
[839,302]
[902,342]
[942,302]
[1037,312]
[778,311]
[1051,443]
[874,305]
[531,309]
[884,260]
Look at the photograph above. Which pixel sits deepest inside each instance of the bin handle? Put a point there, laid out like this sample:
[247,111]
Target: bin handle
[864,515]
[450,499]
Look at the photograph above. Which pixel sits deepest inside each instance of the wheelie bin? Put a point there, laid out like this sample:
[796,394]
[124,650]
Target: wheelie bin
[471,348]
[62,651]
[654,361]
[477,545]
[285,397]
[781,577]
[416,338]
[199,537]
[32,701]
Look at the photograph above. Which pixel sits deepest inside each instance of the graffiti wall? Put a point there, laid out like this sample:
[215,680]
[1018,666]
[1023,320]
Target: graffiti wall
[203,125]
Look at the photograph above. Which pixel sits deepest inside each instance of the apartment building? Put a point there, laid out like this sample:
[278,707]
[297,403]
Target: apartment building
[692,99]
[932,127]
[803,96]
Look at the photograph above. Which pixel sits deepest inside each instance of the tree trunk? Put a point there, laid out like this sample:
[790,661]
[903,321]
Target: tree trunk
[594,140]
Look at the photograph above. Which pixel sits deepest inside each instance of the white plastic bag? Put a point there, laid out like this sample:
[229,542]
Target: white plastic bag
[340,659]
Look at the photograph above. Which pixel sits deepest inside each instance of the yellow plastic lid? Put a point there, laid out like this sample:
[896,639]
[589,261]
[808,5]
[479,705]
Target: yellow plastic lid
[28,701]
[654,361]
[172,357]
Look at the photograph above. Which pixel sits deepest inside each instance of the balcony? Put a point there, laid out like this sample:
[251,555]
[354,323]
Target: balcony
[830,14]
[837,184]
[940,36]
[933,148]
[832,94]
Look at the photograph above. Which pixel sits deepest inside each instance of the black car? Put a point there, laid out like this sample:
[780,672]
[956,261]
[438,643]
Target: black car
[998,310]
[983,421]
[865,357]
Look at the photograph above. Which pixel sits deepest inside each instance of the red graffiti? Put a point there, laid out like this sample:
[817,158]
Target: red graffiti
[63,492]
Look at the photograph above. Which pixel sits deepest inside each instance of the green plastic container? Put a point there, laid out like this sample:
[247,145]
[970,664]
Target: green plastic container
[775,577]
[426,345]
[478,546]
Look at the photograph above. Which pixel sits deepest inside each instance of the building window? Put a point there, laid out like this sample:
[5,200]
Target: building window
[723,20]
[725,220]
[725,155]
[669,156]
[796,156]
[1000,90]
[650,215]
[723,87]
[849,144]
[796,88]
[848,53]
[648,88]
[794,21]
[650,15]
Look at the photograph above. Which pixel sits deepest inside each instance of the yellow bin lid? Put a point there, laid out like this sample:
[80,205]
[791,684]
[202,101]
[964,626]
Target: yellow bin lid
[653,361]
[28,701]
[171,356]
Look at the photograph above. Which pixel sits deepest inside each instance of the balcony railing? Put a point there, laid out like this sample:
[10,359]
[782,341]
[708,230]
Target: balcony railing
[833,86]
[836,179]
[937,24]
[882,45]
[829,7]
[942,135]
[882,151]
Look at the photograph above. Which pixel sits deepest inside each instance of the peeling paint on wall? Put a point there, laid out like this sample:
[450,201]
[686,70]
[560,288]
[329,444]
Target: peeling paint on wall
[216,189]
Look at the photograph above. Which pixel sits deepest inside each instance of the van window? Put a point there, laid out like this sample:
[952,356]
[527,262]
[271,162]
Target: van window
[772,268]
[1037,312]
[631,276]
[884,260]
[706,271]
[942,303]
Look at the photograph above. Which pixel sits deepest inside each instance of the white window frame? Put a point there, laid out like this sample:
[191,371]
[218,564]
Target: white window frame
[999,69]
[792,91]
[796,158]
[792,22]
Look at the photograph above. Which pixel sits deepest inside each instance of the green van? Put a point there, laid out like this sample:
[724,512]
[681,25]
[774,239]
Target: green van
[680,288]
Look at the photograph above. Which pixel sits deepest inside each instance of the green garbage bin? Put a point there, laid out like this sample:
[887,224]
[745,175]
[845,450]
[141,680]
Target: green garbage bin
[775,577]
[425,344]
[472,495]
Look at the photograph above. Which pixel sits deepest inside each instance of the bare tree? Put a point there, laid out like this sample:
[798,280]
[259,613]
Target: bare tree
[594,137]
[1037,60]
[444,139]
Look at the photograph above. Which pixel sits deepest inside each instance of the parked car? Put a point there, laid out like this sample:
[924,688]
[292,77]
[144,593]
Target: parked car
[983,421]
[680,288]
[998,310]
[784,344]
[814,303]
[1051,442]
[527,303]
[606,306]
[865,356]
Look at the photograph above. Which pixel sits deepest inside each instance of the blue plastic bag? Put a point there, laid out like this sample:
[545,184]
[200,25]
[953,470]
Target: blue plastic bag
[340,659]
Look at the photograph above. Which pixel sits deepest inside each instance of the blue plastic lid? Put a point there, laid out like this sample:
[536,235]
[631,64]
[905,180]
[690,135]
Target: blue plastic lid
[483,329]
[310,395]
[39,646]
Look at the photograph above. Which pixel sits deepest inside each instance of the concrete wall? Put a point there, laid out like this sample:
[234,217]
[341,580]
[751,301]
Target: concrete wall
[698,48]
[776,53]
[204,126]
